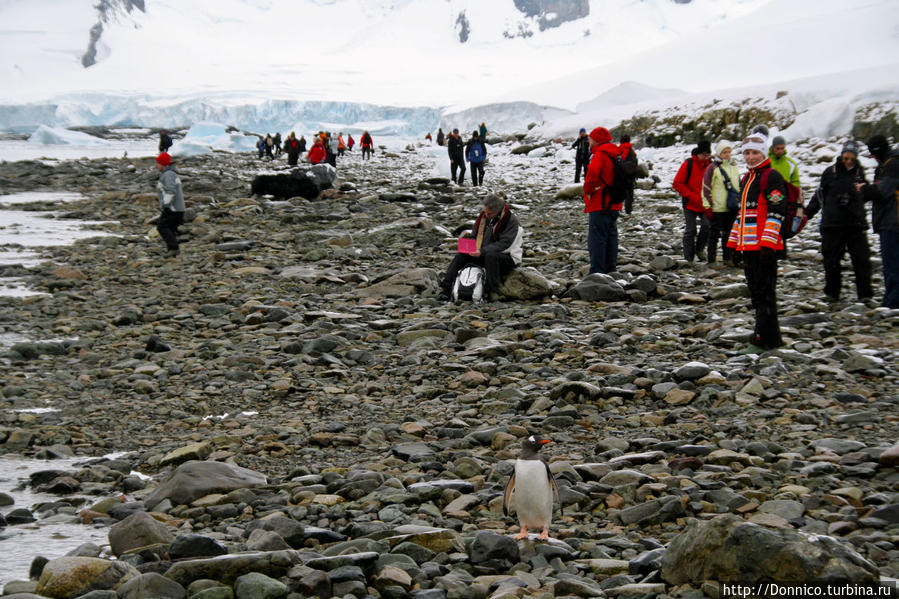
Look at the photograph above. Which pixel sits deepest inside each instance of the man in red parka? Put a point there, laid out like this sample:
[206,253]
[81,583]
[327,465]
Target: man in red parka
[688,183]
[318,153]
[602,234]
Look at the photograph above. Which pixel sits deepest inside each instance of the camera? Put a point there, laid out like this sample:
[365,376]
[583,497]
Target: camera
[844,199]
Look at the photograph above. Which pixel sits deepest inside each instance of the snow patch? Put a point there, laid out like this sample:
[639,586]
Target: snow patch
[58,136]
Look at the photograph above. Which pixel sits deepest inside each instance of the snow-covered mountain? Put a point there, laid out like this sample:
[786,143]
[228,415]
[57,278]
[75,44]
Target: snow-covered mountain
[403,65]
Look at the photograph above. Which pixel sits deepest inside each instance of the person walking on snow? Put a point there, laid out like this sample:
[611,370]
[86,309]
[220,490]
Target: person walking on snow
[482,131]
[171,203]
[441,138]
[350,142]
[292,147]
[476,155]
[756,233]
[721,179]
[581,148]
[602,232]
[884,197]
[843,223]
[688,183]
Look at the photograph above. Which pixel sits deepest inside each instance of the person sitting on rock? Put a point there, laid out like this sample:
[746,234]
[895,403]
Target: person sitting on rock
[318,153]
[498,248]
[171,203]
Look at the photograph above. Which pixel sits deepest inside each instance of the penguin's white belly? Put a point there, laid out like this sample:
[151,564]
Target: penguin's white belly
[533,499]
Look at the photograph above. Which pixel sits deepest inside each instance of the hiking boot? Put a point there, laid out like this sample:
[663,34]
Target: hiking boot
[700,255]
[171,254]
[751,349]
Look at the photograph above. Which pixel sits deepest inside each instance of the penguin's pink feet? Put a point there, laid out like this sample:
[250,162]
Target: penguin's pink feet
[523,534]
[544,536]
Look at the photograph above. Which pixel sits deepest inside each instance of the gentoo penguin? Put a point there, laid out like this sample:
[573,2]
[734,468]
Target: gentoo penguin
[530,489]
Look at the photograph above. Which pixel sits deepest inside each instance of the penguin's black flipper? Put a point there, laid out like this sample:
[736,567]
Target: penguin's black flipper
[507,495]
[552,482]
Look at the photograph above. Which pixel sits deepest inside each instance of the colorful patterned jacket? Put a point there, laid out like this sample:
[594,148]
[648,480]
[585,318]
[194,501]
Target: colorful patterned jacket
[762,212]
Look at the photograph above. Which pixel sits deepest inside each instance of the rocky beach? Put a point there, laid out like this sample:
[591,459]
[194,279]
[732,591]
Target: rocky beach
[294,414]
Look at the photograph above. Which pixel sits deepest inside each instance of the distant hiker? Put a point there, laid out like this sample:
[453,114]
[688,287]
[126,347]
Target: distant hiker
[302,144]
[483,132]
[782,163]
[476,155]
[368,146]
[688,183]
[756,233]
[720,195]
[884,197]
[165,141]
[498,247]
[843,223]
[269,144]
[601,208]
[629,167]
[292,147]
[428,137]
[341,145]
[260,145]
[332,149]
[318,153]
[456,150]
[581,147]
[350,142]
[440,137]
[277,141]
[171,203]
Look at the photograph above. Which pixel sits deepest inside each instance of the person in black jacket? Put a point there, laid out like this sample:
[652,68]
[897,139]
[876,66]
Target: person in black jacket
[843,223]
[581,155]
[165,141]
[456,150]
[440,136]
[884,197]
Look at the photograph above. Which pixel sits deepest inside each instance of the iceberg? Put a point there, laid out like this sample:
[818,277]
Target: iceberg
[206,136]
[52,136]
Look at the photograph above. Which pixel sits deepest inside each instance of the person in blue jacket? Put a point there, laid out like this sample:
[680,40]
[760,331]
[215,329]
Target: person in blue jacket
[476,155]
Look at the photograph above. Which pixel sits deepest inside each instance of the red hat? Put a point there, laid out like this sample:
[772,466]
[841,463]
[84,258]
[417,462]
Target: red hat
[164,159]
[600,135]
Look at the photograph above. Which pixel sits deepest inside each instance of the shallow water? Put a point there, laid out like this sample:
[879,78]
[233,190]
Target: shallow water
[53,537]
[21,230]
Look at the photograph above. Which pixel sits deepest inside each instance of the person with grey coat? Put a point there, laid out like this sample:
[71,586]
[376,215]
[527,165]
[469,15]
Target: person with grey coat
[171,203]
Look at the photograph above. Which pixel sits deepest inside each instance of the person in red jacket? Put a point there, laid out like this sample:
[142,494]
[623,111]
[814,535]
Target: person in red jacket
[318,153]
[602,234]
[688,183]
[756,233]
[368,146]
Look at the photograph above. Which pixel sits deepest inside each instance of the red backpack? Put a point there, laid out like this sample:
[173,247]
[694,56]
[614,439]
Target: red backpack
[796,217]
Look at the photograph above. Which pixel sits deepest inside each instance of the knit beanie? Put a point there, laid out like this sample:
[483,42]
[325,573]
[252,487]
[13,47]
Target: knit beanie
[879,147]
[164,159]
[778,140]
[704,147]
[760,129]
[756,141]
[850,146]
[723,145]
[601,135]
[582,130]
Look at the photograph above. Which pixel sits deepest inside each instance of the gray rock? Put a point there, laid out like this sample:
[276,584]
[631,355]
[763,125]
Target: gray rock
[785,508]
[227,568]
[259,586]
[494,551]
[526,283]
[151,586]
[728,548]
[69,577]
[193,480]
[692,371]
[194,545]
[138,530]
[266,540]
[288,529]
[838,446]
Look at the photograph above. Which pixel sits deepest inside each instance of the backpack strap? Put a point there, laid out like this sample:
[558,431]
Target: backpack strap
[727,184]
[689,162]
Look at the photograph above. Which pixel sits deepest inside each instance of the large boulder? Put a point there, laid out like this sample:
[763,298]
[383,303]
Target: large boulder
[526,283]
[571,192]
[193,480]
[598,287]
[138,530]
[151,586]
[227,568]
[729,549]
[69,577]
[402,284]
[284,186]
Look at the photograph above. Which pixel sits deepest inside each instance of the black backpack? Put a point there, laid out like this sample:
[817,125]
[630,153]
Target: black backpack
[617,190]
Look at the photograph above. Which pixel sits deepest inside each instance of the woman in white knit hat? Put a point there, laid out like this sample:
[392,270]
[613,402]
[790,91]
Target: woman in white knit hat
[721,196]
[756,233]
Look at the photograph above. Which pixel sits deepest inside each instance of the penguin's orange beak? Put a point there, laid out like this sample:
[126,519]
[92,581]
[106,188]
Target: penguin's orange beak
[544,441]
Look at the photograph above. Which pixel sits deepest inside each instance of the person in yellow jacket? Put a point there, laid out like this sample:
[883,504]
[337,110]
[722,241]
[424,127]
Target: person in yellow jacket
[721,178]
[782,163]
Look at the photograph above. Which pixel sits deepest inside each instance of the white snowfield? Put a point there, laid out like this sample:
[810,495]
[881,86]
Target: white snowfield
[398,68]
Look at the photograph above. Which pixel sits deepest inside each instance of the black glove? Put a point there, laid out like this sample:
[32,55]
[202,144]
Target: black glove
[766,255]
